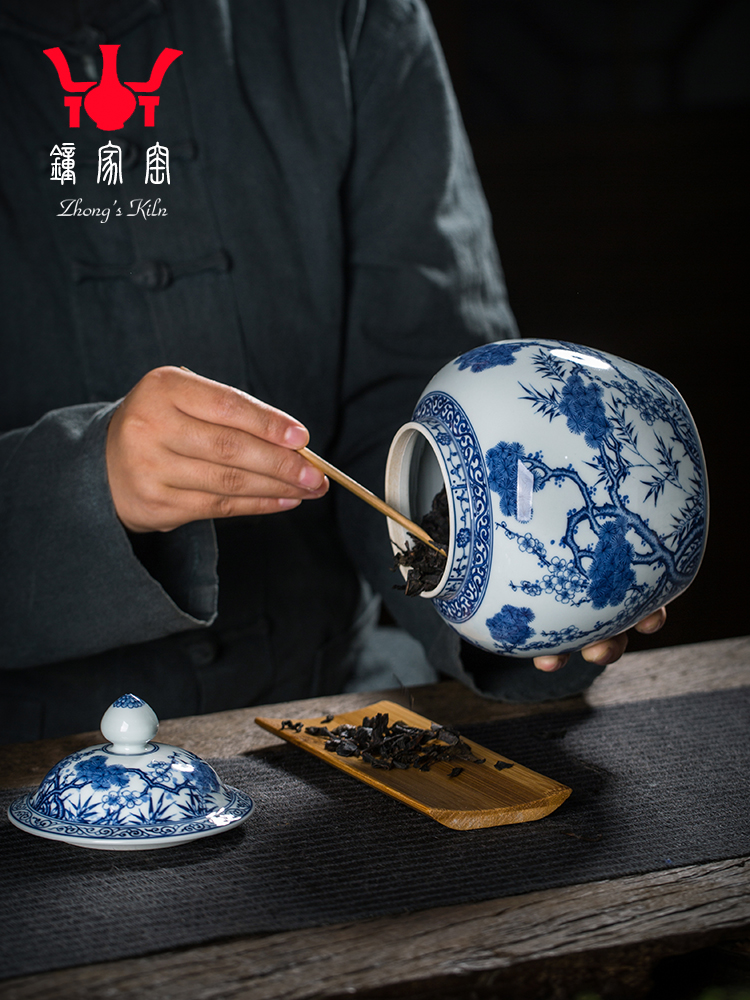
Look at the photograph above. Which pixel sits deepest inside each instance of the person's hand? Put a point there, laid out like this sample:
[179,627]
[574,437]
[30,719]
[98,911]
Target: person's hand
[183,448]
[608,650]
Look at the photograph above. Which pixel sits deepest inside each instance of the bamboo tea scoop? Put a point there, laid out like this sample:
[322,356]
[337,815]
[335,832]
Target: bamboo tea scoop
[364,494]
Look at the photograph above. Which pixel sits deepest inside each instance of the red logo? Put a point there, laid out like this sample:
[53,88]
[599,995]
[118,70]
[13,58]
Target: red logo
[110,103]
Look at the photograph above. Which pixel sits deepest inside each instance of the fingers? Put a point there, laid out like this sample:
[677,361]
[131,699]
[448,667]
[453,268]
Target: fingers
[184,473]
[175,507]
[601,653]
[607,651]
[224,405]
[610,650]
[653,622]
[182,448]
[551,663]
[236,450]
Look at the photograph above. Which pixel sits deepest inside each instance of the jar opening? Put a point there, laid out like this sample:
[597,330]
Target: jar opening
[415,474]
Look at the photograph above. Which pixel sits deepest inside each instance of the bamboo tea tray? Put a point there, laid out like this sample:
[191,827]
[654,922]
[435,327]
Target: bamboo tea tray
[480,796]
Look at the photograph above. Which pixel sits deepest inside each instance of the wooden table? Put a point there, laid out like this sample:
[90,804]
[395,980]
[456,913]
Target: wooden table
[602,936]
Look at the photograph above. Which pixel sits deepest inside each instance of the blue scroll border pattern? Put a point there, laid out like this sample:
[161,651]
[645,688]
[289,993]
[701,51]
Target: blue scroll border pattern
[238,805]
[471,557]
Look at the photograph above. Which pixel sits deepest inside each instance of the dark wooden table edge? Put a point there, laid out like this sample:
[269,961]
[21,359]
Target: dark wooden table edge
[589,932]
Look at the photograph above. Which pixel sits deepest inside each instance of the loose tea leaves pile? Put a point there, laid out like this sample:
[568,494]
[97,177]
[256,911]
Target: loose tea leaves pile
[426,566]
[399,745]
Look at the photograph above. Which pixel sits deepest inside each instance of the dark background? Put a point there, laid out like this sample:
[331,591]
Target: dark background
[609,136]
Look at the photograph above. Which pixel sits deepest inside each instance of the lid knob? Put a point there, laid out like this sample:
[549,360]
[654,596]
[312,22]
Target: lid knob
[129,724]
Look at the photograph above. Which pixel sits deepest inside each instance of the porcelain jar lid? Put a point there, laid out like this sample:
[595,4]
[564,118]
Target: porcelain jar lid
[130,793]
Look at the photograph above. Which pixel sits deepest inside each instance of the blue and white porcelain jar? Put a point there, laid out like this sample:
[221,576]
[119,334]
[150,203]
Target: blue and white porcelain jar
[577,493]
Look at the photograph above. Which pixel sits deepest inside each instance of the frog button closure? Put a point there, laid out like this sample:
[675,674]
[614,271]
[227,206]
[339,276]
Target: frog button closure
[152,274]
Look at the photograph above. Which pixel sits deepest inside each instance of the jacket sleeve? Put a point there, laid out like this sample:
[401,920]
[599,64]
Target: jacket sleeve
[425,285]
[71,584]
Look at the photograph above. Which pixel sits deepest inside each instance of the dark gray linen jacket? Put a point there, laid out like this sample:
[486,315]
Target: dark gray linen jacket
[325,246]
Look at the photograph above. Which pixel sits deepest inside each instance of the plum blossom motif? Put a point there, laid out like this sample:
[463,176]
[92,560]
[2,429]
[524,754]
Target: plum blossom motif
[527,543]
[529,587]
[160,769]
[488,356]
[510,626]
[649,405]
[463,537]
[564,580]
